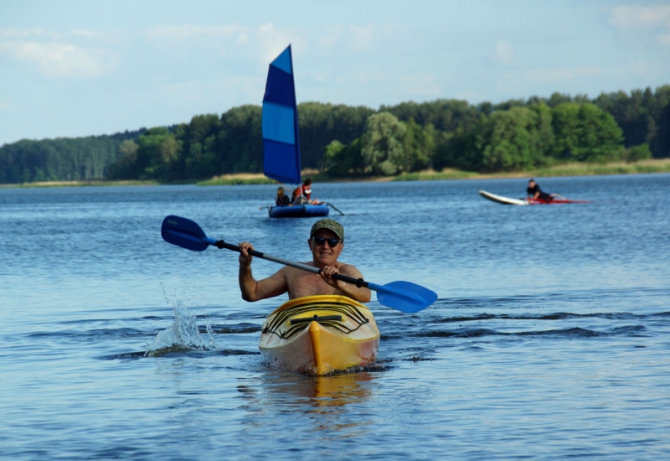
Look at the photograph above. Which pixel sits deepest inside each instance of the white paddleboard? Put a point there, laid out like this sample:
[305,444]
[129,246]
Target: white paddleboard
[501,199]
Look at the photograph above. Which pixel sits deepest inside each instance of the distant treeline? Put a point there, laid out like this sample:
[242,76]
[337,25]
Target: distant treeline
[343,140]
[61,159]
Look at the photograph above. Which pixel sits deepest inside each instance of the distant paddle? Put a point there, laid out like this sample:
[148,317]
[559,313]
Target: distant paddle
[403,296]
[334,208]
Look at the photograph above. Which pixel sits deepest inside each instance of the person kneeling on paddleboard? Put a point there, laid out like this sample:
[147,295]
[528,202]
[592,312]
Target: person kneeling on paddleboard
[535,193]
[326,242]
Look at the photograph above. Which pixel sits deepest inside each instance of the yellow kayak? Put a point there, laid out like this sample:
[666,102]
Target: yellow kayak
[319,335]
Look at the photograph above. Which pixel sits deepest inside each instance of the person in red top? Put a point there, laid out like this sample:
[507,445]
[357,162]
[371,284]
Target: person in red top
[303,194]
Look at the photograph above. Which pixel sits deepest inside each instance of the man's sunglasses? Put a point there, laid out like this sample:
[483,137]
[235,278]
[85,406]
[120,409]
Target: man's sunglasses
[332,242]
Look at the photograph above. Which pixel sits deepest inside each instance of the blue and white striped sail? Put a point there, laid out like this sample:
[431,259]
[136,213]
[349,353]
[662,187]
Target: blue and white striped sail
[281,141]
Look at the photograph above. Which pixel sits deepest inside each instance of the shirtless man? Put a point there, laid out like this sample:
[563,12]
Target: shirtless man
[326,242]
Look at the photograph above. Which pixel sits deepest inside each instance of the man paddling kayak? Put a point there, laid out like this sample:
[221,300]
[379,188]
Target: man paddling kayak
[326,242]
[535,193]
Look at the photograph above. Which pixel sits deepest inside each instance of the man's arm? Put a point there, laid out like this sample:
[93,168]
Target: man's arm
[254,290]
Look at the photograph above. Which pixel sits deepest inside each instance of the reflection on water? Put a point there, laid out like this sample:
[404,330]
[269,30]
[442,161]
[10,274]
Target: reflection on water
[322,399]
[333,391]
[320,391]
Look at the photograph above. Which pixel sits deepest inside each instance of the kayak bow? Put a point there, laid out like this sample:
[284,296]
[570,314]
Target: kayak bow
[319,335]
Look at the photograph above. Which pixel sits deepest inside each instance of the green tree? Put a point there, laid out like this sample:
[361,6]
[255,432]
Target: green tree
[507,140]
[201,153]
[320,124]
[156,153]
[637,153]
[513,140]
[383,149]
[240,140]
[457,150]
[663,140]
[445,115]
[418,146]
[344,160]
[60,159]
[640,116]
[125,166]
[585,132]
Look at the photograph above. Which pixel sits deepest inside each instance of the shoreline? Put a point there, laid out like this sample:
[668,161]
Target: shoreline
[650,166]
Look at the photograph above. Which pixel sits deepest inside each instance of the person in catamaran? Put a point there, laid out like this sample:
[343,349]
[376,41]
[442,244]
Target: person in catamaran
[303,194]
[281,199]
[534,192]
[326,242]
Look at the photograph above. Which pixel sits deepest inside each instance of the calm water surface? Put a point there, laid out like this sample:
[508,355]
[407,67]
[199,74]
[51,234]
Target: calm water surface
[550,338]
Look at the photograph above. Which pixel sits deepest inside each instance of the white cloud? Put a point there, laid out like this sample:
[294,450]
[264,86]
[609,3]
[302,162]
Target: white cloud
[8,34]
[561,74]
[634,16]
[503,52]
[61,59]
[58,55]
[362,36]
[424,85]
[330,36]
[260,44]
[5,105]
[644,19]
[355,38]
[272,41]
[84,33]
[188,31]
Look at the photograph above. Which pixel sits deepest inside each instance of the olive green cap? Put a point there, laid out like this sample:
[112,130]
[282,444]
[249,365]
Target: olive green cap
[329,224]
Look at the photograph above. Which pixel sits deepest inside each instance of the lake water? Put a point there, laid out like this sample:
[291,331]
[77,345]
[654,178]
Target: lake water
[550,337]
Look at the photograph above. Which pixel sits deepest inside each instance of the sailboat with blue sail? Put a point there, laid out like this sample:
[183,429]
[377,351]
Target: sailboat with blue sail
[281,138]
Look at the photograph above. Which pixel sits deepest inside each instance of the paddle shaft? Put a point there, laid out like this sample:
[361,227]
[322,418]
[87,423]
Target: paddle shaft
[286,262]
[334,208]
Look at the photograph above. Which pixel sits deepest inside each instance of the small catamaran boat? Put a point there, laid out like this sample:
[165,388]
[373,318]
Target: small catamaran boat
[319,335]
[281,139]
[557,200]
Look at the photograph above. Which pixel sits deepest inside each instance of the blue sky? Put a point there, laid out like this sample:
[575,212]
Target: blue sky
[79,68]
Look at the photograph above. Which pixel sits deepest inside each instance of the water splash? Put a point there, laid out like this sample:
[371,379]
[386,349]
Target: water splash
[183,335]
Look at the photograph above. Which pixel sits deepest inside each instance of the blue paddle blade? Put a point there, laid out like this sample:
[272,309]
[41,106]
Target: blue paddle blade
[184,233]
[404,296]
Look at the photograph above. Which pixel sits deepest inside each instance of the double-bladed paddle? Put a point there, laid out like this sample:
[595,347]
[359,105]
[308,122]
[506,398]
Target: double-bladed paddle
[403,296]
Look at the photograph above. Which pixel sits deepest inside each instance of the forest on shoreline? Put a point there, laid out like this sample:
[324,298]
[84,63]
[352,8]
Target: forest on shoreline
[405,141]
[648,166]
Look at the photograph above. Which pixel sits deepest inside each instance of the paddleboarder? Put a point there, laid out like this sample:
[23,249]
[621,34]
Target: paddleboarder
[534,192]
[326,242]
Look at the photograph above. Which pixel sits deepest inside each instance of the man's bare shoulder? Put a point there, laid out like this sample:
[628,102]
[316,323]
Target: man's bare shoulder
[348,269]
